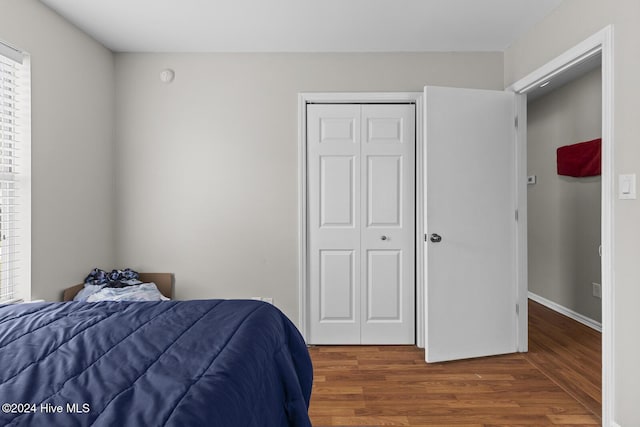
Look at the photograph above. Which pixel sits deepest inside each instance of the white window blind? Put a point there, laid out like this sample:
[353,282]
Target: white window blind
[15,183]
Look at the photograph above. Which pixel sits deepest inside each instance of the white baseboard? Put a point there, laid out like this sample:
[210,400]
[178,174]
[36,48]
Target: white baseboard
[614,424]
[567,312]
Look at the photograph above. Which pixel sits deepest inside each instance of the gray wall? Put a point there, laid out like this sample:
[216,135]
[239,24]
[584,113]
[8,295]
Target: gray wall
[569,24]
[564,212]
[72,146]
[206,167]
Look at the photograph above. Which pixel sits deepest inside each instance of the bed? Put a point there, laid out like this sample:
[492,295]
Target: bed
[166,363]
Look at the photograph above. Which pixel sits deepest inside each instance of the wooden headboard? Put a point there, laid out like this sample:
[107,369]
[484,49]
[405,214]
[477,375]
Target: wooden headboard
[164,282]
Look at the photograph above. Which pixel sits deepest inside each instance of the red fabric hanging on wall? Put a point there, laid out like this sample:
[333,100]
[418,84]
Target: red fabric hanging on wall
[579,160]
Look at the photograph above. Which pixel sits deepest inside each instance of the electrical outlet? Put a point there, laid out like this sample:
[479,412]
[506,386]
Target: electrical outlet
[597,290]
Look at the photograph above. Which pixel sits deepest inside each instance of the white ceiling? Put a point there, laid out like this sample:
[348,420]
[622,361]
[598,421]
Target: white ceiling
[304,25]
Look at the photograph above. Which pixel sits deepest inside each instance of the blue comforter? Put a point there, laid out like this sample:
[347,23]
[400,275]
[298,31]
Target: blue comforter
[170,363]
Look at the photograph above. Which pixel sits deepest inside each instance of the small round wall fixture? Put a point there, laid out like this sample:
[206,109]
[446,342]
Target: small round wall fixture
[167,75]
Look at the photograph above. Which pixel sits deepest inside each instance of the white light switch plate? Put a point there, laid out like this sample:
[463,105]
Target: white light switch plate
[627,186]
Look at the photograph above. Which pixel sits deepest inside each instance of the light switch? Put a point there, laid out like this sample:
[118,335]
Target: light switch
[627,186]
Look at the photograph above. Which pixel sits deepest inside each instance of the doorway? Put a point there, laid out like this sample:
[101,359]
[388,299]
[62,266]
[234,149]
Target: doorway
[601,44]
[564,207]
[564,212]
[361,176]
[407,304]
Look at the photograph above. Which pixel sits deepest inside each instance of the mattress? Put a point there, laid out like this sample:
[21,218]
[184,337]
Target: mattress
[168,363]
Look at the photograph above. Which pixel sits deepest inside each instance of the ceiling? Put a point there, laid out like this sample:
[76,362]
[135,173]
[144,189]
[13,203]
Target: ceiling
[304,25]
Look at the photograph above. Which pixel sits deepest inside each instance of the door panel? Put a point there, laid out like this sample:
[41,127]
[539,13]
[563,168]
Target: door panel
[337,191]
[338,130]
[337,286]
[470,203]
[384,286]
[361,223]
[384,185]
[384,129]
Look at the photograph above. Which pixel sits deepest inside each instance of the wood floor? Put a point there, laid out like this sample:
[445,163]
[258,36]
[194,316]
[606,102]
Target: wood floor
[556,383]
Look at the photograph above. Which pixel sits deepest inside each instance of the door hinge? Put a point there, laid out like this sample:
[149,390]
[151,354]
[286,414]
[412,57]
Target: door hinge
[515,122]
[517,308]
[425,237]
[516,214]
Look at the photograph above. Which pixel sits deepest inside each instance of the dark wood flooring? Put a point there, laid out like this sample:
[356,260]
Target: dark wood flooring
[556,383]
[568,353]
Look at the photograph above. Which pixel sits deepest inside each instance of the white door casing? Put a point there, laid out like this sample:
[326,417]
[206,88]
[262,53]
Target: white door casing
[361,168]
[470,203]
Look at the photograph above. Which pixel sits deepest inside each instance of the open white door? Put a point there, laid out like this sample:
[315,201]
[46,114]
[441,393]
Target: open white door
[470,223]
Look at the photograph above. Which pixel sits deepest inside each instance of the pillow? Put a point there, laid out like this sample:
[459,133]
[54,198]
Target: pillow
[143,292]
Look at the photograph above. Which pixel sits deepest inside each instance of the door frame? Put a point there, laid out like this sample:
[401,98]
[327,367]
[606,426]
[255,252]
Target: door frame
[303,256]
[600,42]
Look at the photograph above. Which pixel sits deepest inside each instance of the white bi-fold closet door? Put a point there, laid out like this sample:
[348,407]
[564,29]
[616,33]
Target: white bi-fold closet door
[361,240]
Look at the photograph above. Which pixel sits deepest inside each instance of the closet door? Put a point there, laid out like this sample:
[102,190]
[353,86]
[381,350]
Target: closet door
[333,165]
[360,163]
[387,206]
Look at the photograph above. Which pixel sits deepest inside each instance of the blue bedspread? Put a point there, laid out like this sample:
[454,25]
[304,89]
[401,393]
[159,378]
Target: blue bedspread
[171,363]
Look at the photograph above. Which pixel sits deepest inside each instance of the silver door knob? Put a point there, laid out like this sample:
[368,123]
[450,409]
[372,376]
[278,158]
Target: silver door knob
[435,238]
[384,238]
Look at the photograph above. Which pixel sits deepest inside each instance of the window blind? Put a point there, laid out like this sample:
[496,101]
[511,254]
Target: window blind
[14,168]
